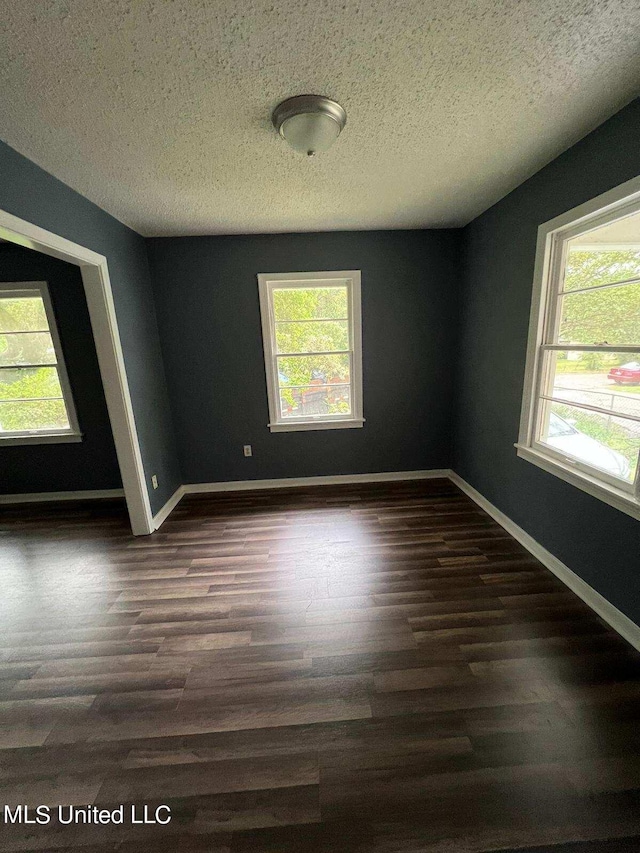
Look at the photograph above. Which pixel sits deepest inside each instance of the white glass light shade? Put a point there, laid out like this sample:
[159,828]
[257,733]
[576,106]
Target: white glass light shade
[309,123]
[310,133]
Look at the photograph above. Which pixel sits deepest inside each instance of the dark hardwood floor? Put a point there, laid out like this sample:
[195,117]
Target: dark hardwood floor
[357,668]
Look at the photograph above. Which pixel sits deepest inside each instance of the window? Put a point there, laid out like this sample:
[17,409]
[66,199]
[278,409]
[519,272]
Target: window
[581,409]
[312,337]
[35,398]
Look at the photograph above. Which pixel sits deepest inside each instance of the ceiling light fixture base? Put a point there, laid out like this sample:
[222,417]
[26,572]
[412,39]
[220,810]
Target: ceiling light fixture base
[309,123]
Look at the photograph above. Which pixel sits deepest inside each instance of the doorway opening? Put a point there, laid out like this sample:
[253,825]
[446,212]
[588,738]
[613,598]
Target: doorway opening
[97,287]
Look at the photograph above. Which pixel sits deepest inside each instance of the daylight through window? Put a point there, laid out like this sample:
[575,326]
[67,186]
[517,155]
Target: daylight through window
[586,401]
[35,400]
[312,344]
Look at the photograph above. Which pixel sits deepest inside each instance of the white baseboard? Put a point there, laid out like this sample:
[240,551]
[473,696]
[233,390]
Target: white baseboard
[236,485]
[291,482]
[41,497]
[611,615]
[170,505]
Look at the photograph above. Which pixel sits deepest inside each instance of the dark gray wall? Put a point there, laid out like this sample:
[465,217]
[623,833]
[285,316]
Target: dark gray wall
[599,543]
[29,192]
[208,312]
[92,463]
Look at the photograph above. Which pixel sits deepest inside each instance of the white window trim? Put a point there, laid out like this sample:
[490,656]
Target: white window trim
[268,282]
[552,237]
[72,434]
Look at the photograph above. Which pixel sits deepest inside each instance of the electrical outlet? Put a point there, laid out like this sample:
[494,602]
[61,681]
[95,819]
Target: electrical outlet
[247,450]
[154,481]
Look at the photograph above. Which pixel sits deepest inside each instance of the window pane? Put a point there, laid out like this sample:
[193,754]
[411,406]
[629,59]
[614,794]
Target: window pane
[611,315]
[310,303]
[26,382]
[25,314]
[41,415]
[604,442]
[591,267]
[608,253]
[315,400]
[313,336]
[608,381]
[27,348]
[313,370]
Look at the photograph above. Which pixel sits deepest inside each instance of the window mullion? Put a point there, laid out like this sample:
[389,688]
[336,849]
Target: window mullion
[324,385]
[597,287]
[28,366]
[29,399]
[24,332]
[612,413]
[605,348]
[303,354]
[315,320]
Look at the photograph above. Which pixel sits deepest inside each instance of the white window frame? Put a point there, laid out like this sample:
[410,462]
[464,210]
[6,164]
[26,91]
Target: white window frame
[267,282]
[72,434]
[548,275]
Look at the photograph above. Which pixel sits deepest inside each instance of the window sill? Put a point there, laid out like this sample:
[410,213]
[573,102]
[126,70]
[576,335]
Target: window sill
[609,494]
[299,426]
[45,438]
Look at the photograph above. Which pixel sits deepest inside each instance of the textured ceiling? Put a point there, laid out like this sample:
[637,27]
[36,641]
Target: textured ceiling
[159,111]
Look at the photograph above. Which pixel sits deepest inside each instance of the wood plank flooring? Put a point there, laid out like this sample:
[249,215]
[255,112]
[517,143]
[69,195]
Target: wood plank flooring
[358,668]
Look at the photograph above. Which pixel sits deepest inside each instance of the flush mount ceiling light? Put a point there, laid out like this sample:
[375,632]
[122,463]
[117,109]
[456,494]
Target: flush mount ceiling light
[309,123]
